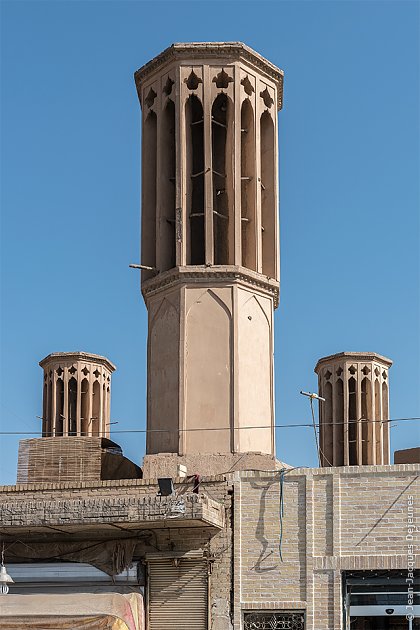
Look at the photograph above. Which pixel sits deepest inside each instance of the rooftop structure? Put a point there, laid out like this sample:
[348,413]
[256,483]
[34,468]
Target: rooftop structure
[210,247]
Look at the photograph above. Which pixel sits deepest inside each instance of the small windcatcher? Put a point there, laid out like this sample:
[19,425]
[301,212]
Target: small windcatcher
[77,395]
[354,416]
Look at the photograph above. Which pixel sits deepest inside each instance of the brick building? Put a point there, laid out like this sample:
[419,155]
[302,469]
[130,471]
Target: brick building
[212,532]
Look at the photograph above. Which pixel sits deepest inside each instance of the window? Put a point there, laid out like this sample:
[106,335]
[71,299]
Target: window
[284,620]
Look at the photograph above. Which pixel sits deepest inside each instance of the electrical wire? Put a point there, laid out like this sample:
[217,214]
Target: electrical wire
[268,426]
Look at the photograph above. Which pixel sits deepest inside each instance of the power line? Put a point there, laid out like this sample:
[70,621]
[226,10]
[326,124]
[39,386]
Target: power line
[268,426]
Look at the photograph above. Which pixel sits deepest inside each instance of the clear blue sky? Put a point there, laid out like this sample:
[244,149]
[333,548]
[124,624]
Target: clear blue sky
[70,175]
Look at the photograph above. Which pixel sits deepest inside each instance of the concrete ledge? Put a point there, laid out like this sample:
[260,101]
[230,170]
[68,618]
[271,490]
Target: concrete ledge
[188,510]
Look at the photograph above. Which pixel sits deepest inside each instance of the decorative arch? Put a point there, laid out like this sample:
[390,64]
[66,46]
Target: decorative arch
[208,373]
[194,124]
[168,188]
[84,407]
[94,421]
[268,195]
[149,167]
[352,420]
[222,177]
[248,189]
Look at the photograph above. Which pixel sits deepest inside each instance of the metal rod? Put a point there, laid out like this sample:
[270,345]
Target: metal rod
[143,267]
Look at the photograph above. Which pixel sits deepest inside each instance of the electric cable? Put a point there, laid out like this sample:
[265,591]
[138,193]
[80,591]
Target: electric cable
[267,426]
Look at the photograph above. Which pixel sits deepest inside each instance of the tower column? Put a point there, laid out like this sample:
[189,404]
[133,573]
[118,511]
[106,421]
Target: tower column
[210,314]
[360,376]
[85,369]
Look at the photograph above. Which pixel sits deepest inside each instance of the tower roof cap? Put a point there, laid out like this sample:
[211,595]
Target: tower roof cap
[77,356]
[212,50]
[353,356]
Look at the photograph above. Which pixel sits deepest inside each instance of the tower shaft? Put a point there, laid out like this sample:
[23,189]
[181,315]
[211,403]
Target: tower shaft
[210,230]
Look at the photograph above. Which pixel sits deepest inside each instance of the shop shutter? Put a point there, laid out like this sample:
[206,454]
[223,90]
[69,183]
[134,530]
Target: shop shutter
[177,595]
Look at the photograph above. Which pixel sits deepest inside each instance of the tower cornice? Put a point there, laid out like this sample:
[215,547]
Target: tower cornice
[235,51]
[54,357]
[353,356]
[215,275]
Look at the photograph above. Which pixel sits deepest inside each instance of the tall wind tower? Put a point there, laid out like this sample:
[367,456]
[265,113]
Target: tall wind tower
[210,232]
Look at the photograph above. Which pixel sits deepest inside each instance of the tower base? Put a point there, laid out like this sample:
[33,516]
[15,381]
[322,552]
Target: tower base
[206,464]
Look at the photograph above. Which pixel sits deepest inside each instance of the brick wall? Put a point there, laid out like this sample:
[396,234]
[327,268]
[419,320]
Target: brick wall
[334,519]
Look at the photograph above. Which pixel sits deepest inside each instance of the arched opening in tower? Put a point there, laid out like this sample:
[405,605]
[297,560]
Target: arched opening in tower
[385,419]
[149,163]
[168,189]
[45,416]
[59,406]
[339,407]
[84,406]
[221,143]
[352,422]
[378,423]
[72,406]
[327,428]
[195,179]
[248,193]
[268,209]
[366,402]
[96,407]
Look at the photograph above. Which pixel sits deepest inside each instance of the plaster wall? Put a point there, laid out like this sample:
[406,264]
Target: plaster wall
[210,369]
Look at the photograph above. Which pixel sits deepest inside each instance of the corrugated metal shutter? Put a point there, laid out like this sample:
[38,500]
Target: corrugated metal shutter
[177,595]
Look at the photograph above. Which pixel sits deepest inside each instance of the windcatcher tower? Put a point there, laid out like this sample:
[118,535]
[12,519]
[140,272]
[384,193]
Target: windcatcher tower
[76,394]
[75,444]
[354,419]
[210,231]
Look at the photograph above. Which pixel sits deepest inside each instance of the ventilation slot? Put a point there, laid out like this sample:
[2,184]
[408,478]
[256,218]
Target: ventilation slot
[327,455]
[222,177]
[148,243]
[385,418]
[378,428]
[366,396]
[268,210]
[72,407]
[45,416]
[248,235]
[168,169]
[195,179]
[352,423]
[339,406]
[96,407]
[84,407]
[59,406]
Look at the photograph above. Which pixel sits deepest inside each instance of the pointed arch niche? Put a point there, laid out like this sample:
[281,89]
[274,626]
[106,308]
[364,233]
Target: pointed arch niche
[366,402]
[149,166]
[168,197]
[327,455]
[96,409]
[339,412]
[163,389]
[221,134]
[208,374]
[194,124]
[255,375]
[268,195]
[84,408]
[248,192]
[385,420]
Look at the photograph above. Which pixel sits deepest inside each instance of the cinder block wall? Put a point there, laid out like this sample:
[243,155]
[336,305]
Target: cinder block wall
[335,519]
